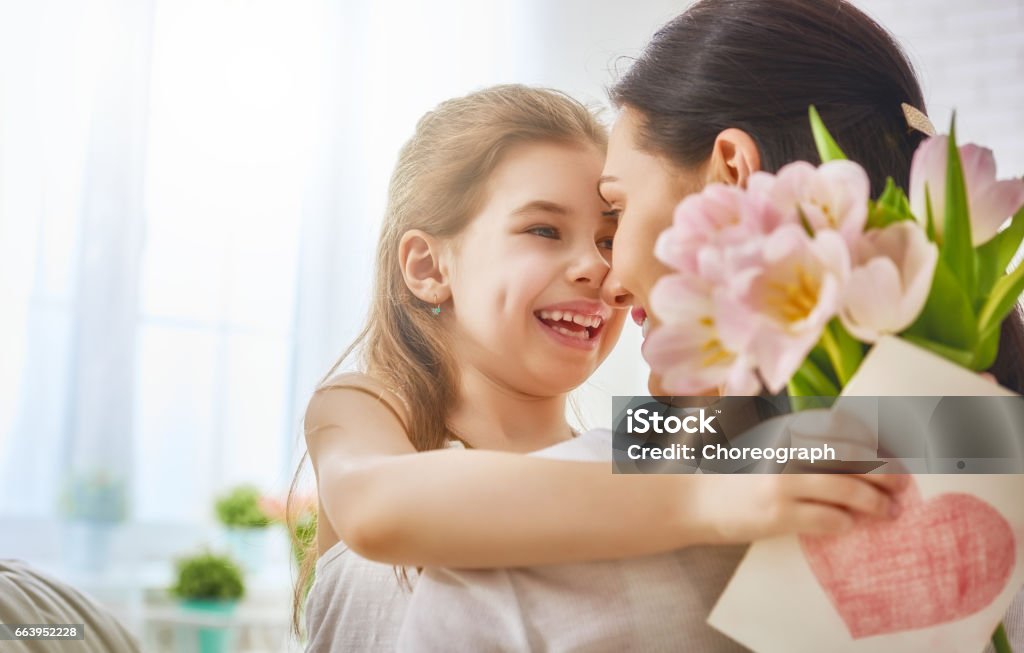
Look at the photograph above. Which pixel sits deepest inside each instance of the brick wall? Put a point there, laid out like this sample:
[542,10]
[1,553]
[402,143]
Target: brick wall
[969,57]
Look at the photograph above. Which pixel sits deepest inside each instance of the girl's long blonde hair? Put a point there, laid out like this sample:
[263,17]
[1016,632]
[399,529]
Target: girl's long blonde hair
[438,185]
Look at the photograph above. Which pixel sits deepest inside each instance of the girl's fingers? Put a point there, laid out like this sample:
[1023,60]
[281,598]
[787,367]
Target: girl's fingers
[891,483]
[820,519]
[849,492]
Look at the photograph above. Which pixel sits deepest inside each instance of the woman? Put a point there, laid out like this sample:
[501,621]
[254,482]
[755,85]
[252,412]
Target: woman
[723,91]
[720,92]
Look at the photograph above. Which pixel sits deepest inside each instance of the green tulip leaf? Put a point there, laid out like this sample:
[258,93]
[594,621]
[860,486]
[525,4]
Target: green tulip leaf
[987,349]
[1005,295]
[959,356]
[995,255]
[810,381]
[828,150]
[947,317]
[956,248]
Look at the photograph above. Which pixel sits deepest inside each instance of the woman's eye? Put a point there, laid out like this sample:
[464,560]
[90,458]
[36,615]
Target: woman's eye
[606,243]
[544,232]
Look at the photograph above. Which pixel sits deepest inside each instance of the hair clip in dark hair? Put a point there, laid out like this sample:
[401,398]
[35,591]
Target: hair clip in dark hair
[917,120]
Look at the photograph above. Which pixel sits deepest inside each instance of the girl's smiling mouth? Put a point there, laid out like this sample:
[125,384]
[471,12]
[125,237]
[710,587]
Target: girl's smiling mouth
[575,324]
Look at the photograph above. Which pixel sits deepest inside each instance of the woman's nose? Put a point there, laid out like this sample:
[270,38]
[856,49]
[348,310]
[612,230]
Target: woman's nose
[613,293]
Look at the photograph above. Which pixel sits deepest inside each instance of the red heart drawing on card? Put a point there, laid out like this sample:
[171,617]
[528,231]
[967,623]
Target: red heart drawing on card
[940,560]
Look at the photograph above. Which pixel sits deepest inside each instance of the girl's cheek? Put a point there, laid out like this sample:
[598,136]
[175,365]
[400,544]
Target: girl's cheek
[534,261]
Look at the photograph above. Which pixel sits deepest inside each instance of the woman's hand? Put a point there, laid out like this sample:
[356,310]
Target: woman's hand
[745,507]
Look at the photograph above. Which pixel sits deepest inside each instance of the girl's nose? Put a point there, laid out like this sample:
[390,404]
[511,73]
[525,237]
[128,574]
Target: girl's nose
[589,268]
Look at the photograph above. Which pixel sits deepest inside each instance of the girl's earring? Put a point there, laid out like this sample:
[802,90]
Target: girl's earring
[437,307]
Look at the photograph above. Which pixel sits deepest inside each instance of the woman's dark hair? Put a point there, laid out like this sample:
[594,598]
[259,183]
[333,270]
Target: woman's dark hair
[757,65]
[1009,365]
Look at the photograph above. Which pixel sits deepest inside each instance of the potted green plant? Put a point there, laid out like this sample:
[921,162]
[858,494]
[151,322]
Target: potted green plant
[212,585]
[241,513]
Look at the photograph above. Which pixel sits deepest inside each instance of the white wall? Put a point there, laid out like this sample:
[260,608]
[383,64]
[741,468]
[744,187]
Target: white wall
[969,57]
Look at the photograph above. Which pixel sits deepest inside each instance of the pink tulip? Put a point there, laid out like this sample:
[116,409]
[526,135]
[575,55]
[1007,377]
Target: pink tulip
[762,206]
[719,217]
[689,349]
[272,507]
[790,297]
[832,196]
[890,282]
[989,202]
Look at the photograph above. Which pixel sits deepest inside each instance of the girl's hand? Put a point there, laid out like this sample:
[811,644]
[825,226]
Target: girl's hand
[746,507]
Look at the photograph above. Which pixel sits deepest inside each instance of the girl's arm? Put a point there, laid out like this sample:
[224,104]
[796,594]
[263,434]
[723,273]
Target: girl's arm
[473,509]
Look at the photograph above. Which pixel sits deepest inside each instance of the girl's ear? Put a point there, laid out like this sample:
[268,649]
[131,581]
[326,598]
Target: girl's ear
[734,157]
[423,269]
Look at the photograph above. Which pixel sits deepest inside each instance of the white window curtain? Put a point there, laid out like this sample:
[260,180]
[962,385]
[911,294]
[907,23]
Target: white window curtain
[190,192]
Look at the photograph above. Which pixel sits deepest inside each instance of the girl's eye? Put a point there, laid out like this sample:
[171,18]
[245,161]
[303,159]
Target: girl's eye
[606,243]
[544,232]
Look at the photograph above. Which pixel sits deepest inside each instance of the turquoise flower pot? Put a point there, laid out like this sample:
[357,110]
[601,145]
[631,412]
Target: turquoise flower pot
[210,639]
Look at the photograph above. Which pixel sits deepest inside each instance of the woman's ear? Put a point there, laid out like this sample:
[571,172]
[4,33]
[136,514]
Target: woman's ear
[734,157]
[423,267]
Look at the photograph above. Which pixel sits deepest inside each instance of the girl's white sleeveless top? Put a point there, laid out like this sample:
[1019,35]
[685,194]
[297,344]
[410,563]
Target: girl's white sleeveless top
[645,604]
[355,604]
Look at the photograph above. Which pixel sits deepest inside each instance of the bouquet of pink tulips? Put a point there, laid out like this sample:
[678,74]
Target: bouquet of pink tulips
[787,282]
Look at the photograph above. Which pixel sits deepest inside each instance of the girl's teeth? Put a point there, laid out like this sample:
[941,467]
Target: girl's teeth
[645,328]
[572,334]
[588,321]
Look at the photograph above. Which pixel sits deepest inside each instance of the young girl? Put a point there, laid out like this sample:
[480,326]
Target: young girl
[720,92]
[486,314]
